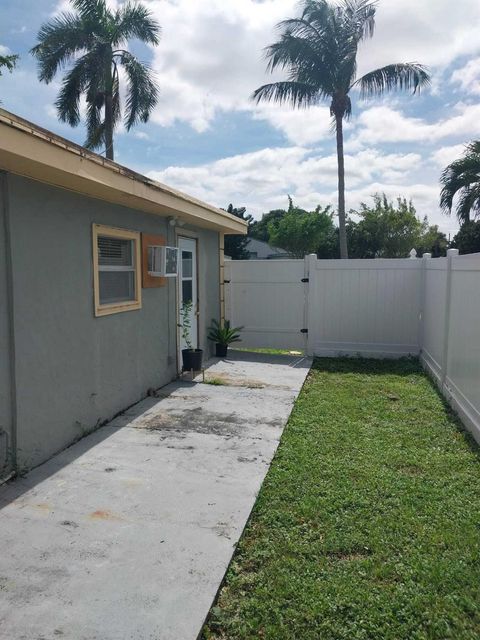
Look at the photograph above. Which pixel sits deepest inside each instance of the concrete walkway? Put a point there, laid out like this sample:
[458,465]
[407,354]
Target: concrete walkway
[128,533]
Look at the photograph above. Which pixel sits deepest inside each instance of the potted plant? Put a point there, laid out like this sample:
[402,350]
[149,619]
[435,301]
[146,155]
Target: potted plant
[223,336]
[192,358]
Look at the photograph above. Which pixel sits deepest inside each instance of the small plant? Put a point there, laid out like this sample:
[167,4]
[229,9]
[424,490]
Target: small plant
[224,335]
[191,357]
[186,324]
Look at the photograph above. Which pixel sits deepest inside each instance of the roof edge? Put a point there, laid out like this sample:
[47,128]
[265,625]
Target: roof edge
[230,223]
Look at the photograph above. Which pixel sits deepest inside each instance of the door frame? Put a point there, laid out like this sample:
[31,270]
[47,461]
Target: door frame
[182,234]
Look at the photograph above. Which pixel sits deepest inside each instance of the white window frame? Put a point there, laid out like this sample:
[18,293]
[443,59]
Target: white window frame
[128,305]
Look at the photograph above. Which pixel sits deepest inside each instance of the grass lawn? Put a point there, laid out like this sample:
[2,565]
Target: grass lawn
[274,352]
[368,523]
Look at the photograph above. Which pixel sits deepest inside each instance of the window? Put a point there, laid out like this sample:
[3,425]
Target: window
[116,263]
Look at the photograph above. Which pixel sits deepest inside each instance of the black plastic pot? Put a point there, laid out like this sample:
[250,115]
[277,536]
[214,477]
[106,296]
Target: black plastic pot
[192,359]
[221,350]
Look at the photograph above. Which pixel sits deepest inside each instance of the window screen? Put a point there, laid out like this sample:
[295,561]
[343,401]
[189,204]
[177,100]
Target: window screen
[116,270]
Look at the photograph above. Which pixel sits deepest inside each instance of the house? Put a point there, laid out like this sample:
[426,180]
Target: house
[259,250]
[85,328]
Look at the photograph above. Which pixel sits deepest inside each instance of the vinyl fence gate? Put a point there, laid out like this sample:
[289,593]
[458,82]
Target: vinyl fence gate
[326,307]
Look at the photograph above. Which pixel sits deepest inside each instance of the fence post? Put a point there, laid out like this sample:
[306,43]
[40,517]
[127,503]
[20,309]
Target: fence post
[451,253]
[423,295]
[309,272]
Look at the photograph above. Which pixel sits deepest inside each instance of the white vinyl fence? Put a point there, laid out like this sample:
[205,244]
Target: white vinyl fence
[450,347]
[268,299]
[380,308]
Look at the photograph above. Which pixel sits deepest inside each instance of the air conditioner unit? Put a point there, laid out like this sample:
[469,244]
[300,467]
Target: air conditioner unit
[163,262]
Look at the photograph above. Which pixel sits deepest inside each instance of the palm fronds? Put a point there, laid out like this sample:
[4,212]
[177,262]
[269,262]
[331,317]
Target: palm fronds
[461,180]
[402,76]
[142,92]
[89,40]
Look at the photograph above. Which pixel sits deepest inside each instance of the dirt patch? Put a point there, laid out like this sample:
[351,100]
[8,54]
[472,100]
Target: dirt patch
[234,381]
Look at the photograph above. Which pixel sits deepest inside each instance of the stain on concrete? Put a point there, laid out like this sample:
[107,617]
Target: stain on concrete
[104,514]
[196,419]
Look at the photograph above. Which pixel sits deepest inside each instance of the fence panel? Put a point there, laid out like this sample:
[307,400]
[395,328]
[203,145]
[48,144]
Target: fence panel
[364,307]
[267,298]
[462,379]
[434,305]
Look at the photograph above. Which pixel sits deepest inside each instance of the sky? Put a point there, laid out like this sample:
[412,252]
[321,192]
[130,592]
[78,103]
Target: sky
[206,136]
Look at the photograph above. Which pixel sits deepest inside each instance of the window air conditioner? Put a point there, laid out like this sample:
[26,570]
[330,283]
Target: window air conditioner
[163,262]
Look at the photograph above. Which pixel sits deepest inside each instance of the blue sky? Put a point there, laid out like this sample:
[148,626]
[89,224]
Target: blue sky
[205,136]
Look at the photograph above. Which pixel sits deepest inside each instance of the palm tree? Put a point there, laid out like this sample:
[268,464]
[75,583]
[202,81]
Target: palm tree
[8,63]
[462,179]
[95,39]
[319,52]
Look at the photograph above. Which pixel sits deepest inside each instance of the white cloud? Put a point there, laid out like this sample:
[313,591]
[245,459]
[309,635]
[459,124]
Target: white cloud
[141,135]
[432,32]
[4,51]
[468,77]
[210,57]
[304,126]
[66,5]
[445,155]
[384,124]
[261,180]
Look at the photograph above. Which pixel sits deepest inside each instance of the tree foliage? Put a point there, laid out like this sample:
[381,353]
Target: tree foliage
[467,239]
[461,181]
[8,62]
[300,232]
[94,40]
[259,228]
[318,51]
[391,230]
[236,246]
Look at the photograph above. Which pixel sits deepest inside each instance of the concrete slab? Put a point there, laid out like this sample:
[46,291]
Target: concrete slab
[128,533]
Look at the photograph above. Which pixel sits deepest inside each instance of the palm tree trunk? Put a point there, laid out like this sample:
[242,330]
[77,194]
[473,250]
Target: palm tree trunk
[109,126]
[341,188]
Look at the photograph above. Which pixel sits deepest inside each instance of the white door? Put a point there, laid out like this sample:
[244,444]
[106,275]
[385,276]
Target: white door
[187,288]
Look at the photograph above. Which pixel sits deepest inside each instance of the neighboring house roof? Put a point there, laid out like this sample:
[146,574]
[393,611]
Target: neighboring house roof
[33,152]
[262,251]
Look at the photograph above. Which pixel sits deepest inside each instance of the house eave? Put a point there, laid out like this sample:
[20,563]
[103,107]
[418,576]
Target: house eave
[36,153]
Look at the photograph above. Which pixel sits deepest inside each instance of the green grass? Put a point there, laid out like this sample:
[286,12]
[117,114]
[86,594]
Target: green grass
[272,352]
[216,382]
[368,523]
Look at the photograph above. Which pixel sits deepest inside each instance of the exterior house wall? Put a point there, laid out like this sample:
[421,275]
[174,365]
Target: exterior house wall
[74,371]
[6,417]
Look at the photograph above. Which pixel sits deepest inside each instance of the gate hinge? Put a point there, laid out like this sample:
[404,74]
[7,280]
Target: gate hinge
[226,282]
[303,330]
[305,280]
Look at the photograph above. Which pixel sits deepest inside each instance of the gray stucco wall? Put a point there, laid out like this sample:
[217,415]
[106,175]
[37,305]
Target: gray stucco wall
[5,373]
[73,370]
